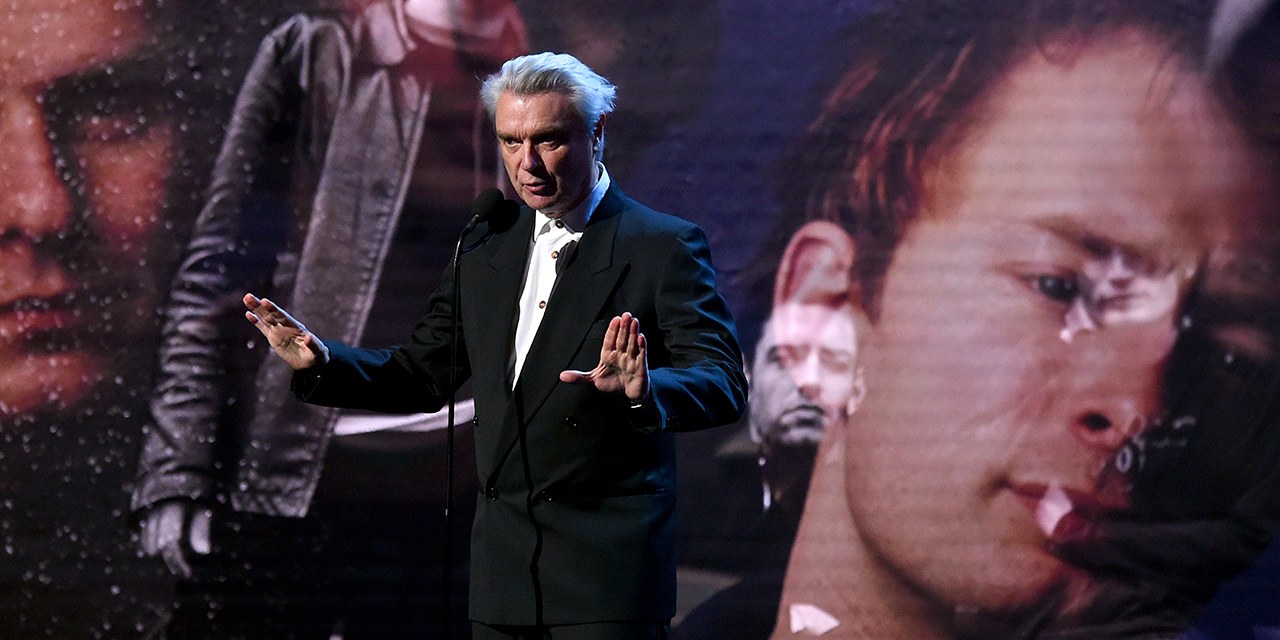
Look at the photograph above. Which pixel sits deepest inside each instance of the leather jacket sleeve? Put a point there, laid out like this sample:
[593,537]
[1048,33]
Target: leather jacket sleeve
[240,242]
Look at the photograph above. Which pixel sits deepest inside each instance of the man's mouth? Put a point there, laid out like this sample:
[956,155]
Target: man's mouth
[27,320]
[802,416]
[1053,505]
[539,188]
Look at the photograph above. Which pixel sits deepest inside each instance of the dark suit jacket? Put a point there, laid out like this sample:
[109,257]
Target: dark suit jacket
[575,518]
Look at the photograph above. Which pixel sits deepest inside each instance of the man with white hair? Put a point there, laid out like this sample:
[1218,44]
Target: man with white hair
[574,530]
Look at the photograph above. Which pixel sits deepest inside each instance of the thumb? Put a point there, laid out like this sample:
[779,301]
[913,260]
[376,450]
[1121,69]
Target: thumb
[198,532]
[151,533]
[575,377]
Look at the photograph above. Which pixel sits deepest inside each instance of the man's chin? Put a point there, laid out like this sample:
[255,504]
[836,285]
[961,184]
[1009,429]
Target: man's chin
[544,202]
[1034,589]
[46,382]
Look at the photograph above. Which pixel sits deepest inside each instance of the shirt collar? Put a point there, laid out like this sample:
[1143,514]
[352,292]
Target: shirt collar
[576,219]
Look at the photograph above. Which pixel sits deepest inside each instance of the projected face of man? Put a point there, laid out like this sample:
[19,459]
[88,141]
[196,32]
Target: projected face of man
[817,346]
[991,404]
[86,156]
[805,372]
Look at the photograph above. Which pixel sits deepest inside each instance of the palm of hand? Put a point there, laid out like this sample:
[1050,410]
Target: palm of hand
[624,365]
[289,338]
[621,371]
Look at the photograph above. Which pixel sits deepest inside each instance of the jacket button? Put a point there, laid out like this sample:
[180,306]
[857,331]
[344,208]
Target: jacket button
[491,493]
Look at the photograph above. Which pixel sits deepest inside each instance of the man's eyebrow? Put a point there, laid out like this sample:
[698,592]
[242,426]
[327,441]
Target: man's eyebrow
[144,70]
[1099,245]
[536,134]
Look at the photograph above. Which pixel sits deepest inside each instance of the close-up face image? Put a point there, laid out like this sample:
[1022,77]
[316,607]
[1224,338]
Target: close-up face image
[84,187]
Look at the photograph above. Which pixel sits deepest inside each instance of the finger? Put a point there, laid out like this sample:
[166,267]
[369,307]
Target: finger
[610,336]
[278,314]
[251,301]
[198,532]
[149,543]
[274,315]
[642,366]
[261,315]
[633,334]
[624,333]
[271,312]
[176,560]
[283,318]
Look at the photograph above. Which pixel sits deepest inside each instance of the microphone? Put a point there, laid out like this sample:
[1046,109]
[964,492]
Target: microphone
[492,207]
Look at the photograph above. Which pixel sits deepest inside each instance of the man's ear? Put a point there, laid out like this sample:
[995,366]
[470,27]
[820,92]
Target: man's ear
[597,134]
[816,267]
[859,391]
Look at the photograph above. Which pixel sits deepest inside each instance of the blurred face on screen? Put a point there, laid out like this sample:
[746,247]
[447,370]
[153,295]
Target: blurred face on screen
[815,346]
[86,156]
[804,380]
[1027,315]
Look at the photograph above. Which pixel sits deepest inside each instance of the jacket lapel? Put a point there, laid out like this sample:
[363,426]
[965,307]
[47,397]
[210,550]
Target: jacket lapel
[496,292]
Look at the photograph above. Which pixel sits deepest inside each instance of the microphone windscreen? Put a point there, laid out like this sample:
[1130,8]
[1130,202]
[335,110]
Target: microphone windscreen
[503,215]
[489,202]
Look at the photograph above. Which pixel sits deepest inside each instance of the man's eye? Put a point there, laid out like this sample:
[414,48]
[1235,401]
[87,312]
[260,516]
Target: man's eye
[836,361]
[773,355]
[116,128]
[1058,288]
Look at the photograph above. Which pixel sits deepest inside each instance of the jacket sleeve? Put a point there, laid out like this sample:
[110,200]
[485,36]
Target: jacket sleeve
[233,245]
[699,381]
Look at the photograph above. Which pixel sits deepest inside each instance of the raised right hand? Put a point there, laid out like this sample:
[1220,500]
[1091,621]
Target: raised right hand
[170,528]
[289,338]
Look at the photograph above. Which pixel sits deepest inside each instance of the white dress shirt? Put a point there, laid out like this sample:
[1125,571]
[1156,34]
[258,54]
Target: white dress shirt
[550,238]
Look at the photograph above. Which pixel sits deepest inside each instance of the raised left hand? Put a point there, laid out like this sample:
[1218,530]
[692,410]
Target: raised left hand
[624,362]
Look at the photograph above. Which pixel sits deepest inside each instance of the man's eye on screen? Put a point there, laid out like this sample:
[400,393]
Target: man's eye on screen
[1056,287]
[836,361]
[105,108]
[108,129]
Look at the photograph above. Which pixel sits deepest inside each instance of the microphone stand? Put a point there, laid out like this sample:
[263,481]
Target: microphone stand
[455,299]
[488,205]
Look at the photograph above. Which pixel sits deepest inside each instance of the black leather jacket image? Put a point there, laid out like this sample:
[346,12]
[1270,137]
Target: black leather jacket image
[308,186]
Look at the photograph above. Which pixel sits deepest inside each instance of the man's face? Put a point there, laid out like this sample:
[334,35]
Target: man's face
[817,346]
[81,185]
[545,147]
[803,381]
[805,372]
[1028,313]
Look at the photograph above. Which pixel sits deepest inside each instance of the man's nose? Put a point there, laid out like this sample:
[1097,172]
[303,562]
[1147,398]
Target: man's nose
[530,161]
[1117,379]
[807,374]
[33,198]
